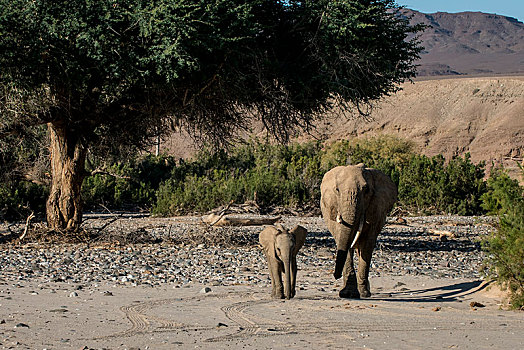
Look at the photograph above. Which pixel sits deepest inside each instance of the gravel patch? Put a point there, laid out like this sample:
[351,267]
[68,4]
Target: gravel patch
[183,250]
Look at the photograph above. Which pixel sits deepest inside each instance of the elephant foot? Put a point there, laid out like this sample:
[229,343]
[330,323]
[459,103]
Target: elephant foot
[364,291]
[277,295]
[348,293]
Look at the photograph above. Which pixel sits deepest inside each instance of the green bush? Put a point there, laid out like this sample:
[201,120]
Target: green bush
[272,175]
[291,176]
[505,247]
[131,184]
[18,200]
[426,185]
[430,186]
[387,153]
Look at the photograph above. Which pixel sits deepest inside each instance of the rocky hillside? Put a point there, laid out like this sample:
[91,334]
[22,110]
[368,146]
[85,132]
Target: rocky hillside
[482,116]
[471,43]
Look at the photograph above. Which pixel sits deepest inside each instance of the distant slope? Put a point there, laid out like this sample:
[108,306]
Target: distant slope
[482,116]
[471,43]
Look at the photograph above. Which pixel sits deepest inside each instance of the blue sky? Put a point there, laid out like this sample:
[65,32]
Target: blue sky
[511,8]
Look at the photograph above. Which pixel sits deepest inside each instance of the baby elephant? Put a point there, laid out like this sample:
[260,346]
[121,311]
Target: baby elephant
[281,247]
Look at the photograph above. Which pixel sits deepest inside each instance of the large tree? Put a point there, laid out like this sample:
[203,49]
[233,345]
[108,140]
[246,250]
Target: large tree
[106,73]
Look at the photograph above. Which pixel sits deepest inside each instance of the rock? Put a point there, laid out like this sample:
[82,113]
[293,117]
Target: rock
[436,308]
[205,290]
[220,324]
[400,221]
[474,304]
[399,284]
[73,294]
[21,325]
[444,263]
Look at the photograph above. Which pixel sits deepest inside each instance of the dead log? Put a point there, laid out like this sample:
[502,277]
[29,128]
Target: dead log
[216,220]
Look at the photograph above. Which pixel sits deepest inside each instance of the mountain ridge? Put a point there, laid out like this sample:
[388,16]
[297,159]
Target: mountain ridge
[469,43]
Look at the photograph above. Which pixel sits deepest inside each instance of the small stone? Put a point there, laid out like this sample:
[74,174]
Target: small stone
[474,304]
[58,310]
[73,294]
[108,294]
[2,321]
[399,284]
[401,221]
[205,290]
[220,324]
[21,325]
[436,308]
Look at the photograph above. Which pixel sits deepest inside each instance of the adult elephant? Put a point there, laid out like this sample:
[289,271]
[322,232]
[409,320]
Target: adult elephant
[354,202]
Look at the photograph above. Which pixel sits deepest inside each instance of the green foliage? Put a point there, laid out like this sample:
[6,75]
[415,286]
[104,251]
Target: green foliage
[426,185]
[429,185]
[124,66]
[506,246]
[273,175]
[18,200]
[131,184]
[387,153]
[291,176]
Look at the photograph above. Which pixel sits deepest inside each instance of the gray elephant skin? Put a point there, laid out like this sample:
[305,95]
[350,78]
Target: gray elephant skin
[354,202]
[280,247]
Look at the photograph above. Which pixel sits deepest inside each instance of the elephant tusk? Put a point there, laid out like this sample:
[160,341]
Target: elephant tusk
[342,222]
[359,232]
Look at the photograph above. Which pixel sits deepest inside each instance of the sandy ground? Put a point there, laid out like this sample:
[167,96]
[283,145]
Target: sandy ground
[405,312]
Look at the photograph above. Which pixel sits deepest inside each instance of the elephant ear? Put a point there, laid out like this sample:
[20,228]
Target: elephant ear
[328,202]
[300,234]
[267,240]
[384,194]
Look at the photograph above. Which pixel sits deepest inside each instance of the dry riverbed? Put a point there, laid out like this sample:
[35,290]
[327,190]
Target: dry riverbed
[164,283]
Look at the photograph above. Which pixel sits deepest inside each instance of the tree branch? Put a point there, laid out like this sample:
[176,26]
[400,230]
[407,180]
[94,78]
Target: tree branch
[105,172]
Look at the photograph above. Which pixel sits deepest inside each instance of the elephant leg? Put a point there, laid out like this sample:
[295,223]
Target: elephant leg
[277,287]
[365,251]
[350,290]
[293,276]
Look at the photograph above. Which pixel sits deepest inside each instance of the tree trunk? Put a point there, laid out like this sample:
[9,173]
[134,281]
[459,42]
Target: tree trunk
[68,154]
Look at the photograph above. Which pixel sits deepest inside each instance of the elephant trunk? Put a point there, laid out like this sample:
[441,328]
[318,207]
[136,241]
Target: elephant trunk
[287,277]
[340,262]
[343,242]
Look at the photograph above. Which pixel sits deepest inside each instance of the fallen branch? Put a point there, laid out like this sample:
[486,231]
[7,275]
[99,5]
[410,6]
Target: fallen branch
[27,222]
[217,220]
[220,215]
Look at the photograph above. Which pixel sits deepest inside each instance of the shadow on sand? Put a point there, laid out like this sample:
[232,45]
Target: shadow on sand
[447,293]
